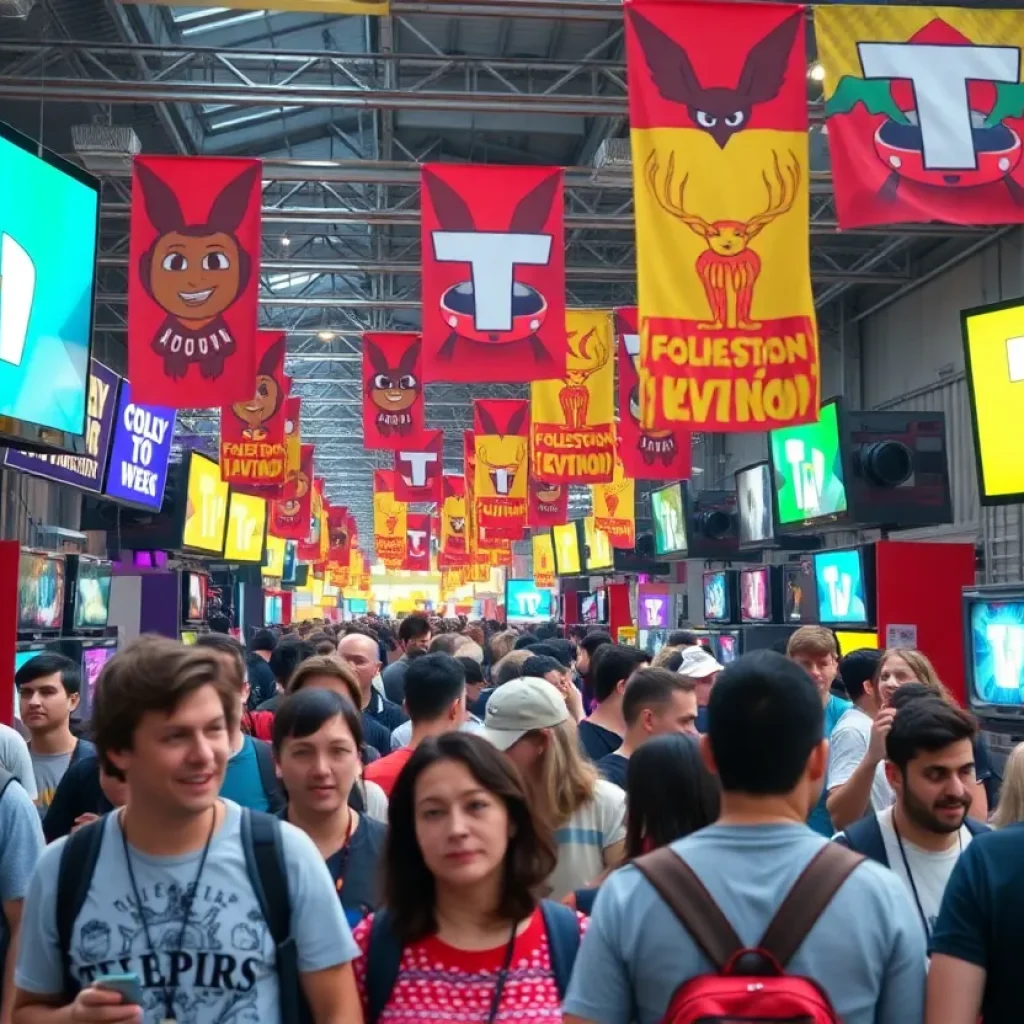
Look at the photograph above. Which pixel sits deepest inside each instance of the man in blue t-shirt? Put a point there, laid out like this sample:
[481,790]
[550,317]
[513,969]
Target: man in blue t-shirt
[815,650]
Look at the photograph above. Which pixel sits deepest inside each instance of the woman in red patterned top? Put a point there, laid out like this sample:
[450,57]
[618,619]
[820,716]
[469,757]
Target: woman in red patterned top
[463,935]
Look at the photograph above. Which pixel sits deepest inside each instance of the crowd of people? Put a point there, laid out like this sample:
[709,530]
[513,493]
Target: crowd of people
[430,819]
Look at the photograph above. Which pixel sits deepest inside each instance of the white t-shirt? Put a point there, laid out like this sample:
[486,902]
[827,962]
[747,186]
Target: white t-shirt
[583,839]
[931,870]
[848,744]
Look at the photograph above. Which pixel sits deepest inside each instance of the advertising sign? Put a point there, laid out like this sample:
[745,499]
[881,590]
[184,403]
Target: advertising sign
[85,470]
[140,451]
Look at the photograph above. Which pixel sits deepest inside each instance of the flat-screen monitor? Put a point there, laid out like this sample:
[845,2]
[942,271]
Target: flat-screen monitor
[597,555]
[565,540]
[652,640]
[189,637]
[588,608]
[754,504]
[290,563]
[799,594]
[273,557]
[247,529]
[844,594]
[718,596]
[357,606]
[194,589]
[41,578]
[854,640]
[206,507]
[807,470]
[21,657]
[756,594]
[602,606]
[728,645]
[88,583]
[668,514]
[93,660]
[995,650]
[526,602]
[49,219]
[273,609]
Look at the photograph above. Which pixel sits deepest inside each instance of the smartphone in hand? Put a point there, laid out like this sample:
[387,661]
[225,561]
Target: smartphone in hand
[128,986]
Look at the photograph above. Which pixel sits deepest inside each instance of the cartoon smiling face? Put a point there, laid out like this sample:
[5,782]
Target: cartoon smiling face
[296,487]
[263,405]
[196,277]
[393,392]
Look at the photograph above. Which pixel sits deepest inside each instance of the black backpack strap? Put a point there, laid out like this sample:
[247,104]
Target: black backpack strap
[678,885]
[272,788]
[383,961]
[563,928]
[357,798]
[78,862]
[812,892]
[865,837]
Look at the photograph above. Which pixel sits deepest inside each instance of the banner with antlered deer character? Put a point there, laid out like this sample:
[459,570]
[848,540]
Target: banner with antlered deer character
[389,520]
[615,508]
[720,191]
[501,441]
[572,418]
[493,273]
[453,551]
[392,389]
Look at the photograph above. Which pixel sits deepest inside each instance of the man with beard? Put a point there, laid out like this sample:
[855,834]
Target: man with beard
[930,766]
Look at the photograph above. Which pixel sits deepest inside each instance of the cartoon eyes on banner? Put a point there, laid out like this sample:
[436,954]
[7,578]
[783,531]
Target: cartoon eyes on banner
[195,272]
[296,487]
[504,453]
[266,401]
[393,389]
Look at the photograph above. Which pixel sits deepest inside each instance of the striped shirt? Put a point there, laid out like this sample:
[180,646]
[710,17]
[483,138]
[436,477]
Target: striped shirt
[582,840]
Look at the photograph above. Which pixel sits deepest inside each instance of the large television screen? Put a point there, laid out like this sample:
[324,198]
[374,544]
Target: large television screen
[565,540]
[598,555]
[247,529]
[728,645]
[40,592]
[357,605]
[526,602]
[843,597]
[273,560]
[49,218]
[807,469]
[669,517]
[995,650]
[92,594]
[93,660]
[756,594]
[589,611]
[194,589]
[273,610]
[718,597]
[754,502]
[799,594]
[206,507]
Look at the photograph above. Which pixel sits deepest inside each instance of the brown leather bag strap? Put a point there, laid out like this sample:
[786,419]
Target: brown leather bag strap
[699,914]
[811,894]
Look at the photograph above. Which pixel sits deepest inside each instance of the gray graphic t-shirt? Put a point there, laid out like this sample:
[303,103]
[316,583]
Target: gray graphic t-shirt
[223,972]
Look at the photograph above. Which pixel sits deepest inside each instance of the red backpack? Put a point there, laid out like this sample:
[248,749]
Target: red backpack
[751,985]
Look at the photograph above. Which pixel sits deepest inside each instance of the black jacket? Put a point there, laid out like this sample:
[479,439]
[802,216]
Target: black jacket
[262,684]
[865,836]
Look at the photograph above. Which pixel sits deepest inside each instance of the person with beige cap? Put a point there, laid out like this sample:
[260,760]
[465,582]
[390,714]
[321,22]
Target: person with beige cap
[528,720]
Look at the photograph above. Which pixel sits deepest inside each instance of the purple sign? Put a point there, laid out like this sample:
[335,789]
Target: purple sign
[652,609]
[140,452]
[84,470]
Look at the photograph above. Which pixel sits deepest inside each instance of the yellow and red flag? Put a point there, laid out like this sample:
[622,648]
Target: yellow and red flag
[501,429]
[389,520]
[615,508]
[925,111]
[718,115]
[572,419]
[543,560]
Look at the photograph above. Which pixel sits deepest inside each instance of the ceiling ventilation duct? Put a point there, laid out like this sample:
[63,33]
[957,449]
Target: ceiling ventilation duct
[104,148]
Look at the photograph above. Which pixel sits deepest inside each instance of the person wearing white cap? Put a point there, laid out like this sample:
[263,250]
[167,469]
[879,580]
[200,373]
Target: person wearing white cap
[528,720]
[700,667]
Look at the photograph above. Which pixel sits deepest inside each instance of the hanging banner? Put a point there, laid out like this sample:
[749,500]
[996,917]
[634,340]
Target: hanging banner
[389,520]
[392,389]
[646,454]
[501,431]
[417,542]
[308,549]
[378,8]
[453,550]
[418,469]
[924,111]
[193,280]
[252,433]
[548,504]
[339,533]
[572,420]
[543,560]
[289,515]
[615,509]
[720,158]
[493,290]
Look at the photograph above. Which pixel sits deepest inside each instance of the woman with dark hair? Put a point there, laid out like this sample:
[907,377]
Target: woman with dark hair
[462,933]
[317,737]
[669,794]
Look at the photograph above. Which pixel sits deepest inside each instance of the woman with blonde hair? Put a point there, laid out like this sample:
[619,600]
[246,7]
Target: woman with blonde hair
[529,721]
[1010,810]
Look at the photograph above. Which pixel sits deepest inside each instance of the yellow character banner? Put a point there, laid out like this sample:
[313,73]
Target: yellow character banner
[615,508]
[389,520]
[718,123]
[543,560]
[572,420]
[500,436]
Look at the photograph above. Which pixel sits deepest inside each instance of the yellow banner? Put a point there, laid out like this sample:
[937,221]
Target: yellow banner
[615,508]
[378,8]
[389,521]
[543,560]
[572,421]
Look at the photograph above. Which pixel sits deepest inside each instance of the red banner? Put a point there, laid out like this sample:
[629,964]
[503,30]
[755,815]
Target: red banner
[392,389]
[289,516]
[308,549]
[339,550]
[252,446]
[193,280]
[418,468]
[453,551]
[646,454]
[548,504]
[493,273]
[501,433]
[417,542]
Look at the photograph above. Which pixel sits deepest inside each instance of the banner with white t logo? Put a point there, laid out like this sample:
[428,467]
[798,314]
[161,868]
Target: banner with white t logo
[418,468]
